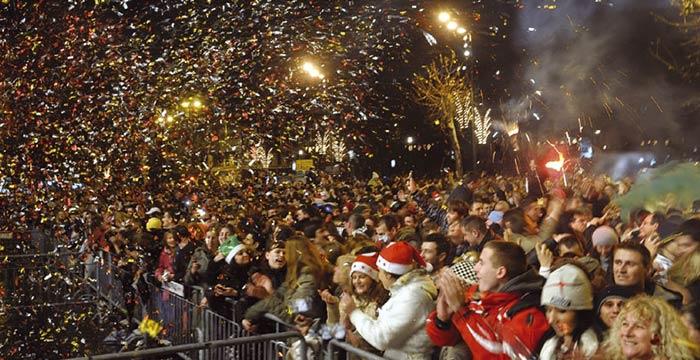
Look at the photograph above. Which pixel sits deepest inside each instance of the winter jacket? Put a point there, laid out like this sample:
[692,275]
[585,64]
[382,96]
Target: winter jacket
[182,259]
[398,329]
[285,302]
[202,256]
[499,325]
[165,263]
[371,308]
[229,275]
[528,242]
[434,212]
[586,346]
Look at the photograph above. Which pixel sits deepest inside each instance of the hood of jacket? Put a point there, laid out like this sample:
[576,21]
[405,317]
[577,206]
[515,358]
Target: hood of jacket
[526,282]
[419,277]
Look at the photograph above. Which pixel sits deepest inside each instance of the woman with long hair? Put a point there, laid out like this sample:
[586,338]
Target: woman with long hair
[165,270]
[297,299]
[684,272]
[568,299]
[368,293]
[649,328]
[199,262]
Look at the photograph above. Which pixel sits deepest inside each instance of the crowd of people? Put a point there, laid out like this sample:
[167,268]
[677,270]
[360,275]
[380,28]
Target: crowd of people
[484,267]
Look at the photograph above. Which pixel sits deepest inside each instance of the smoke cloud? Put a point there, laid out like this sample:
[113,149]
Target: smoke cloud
[590,66]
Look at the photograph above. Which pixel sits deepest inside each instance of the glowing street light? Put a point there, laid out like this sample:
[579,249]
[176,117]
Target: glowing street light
[444,16]
[192,103]
[312,70]
[409,140]
[452,25]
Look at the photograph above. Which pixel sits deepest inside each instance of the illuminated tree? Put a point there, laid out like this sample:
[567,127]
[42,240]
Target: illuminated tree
[441,88]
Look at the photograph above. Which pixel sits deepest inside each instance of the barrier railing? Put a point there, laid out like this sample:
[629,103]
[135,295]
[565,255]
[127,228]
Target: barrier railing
[228,345]
[106,277]
[331,352]
[334,350]
[175,314]
[15,268]
[188,324]
[216,327]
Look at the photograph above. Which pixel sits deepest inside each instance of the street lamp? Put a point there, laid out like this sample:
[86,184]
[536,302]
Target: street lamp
[312,70]
[409,140]
[444,16]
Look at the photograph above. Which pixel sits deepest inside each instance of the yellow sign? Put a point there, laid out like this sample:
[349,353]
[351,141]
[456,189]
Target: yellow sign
[304,165]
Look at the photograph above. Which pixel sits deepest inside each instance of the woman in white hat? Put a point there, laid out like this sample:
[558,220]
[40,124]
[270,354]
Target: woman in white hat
[568,298]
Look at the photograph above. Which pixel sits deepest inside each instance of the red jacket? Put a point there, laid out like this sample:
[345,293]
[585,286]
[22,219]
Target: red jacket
[500,325]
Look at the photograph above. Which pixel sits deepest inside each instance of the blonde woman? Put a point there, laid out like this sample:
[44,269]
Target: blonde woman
[683,272]
[649,328]
[297,299]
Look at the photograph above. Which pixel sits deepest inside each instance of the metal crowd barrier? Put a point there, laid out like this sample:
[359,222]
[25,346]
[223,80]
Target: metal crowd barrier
[175,314]
[331,352]
[199,333]
[334,350]
[281,347]
[229,345]
[22,270]
[104,276]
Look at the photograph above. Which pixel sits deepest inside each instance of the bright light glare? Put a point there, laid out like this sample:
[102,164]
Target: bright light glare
[461,30]
[444,16]
[312,70]
[452,25]
[409,140]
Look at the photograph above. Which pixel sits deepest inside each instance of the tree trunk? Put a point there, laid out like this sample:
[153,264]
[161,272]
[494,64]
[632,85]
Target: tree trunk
[475,149]
[454,141]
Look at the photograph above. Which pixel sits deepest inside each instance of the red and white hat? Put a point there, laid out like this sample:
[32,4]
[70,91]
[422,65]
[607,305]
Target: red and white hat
[366,264]
[398,258]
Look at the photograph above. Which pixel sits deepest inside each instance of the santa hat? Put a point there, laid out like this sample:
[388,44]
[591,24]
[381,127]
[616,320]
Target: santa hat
[231,247]
[366,264]
[398,258]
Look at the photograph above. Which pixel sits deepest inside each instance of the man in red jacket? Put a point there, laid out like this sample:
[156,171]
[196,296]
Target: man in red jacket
[499,318]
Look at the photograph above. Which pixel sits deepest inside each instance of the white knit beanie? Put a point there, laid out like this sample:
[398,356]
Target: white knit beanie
[568,288]
[604,236]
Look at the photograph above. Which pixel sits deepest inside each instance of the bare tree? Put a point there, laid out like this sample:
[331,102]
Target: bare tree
[689,23]
[446,89]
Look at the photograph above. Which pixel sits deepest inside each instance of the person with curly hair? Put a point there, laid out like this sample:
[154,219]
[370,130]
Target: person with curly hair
[648,328]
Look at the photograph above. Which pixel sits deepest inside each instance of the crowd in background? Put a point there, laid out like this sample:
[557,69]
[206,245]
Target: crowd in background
[480,267]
